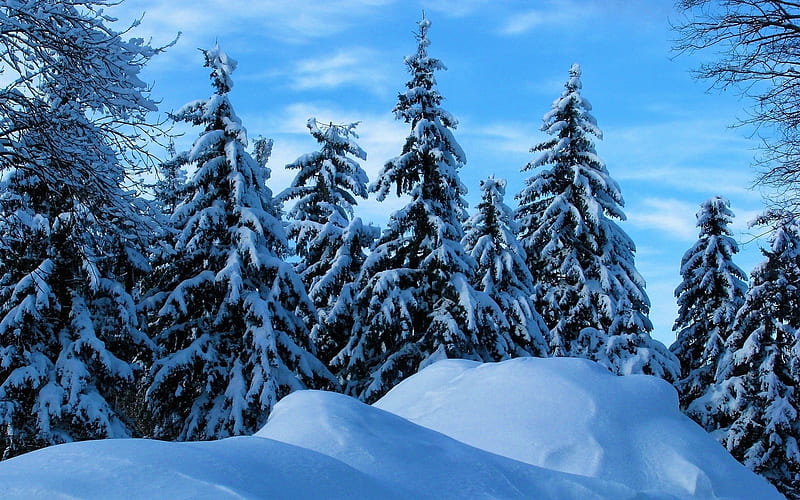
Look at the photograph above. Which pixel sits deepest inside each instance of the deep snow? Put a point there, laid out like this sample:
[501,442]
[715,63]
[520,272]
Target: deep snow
[533,428]
[571,415]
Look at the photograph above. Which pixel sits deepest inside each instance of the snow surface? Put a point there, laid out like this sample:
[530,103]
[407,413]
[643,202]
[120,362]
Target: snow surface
[539,428]
[571,415]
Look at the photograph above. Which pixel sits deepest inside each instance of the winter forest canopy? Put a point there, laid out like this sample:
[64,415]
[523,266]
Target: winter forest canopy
[184,308]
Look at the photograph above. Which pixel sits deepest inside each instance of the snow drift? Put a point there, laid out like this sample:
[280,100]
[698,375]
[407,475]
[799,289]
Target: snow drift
[525,428]
[571,415]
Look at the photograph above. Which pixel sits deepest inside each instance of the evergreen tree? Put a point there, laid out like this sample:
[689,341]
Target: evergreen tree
[490,238]
[231,320]
[753,406]
[414,302]
[70,234]
[262,151]
[710,295]
[329,242]
[168,190]
[588,290]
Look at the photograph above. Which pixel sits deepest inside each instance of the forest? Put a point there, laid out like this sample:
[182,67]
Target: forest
[186,309]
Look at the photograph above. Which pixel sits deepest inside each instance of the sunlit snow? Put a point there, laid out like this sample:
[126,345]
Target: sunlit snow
[553,428]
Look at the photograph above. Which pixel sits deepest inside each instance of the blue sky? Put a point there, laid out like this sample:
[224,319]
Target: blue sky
[667,141]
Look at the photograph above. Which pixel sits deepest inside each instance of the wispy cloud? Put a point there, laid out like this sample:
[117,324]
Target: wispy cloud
[702,156]
[573,14]
[356,67]
[199,21]
[675,218]
[549,13]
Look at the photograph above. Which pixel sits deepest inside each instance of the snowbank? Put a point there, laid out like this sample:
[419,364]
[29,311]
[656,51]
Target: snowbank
[414,460]
[527,428]
[571,415]
[241,467]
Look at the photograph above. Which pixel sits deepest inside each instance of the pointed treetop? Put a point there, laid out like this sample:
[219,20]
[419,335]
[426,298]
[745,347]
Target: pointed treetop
[422,36]
[492,184]
[574,82]
[424,24]
[714,216]
[221,68]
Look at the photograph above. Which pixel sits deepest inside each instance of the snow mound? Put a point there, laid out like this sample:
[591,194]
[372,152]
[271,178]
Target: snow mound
[550,429]
[572,415]
[235,468]
[415,461]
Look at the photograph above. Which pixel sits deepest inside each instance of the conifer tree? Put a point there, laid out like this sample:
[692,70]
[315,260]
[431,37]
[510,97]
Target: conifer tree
[231,321]
[588,289]
[168,190]
[329,242]
[753,406]
[414,301]
[709,296]
[70,235]
[502,273]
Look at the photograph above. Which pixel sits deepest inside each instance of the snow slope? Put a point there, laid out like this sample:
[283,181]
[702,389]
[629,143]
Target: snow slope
[585,434]
[240,467]
[572,415]
[414,460]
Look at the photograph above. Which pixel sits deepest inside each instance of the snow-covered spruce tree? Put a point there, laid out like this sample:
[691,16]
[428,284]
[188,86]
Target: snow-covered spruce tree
[328,241]
[588,290]
[414,302]
[168,192]
[231,322]
[753,406]
[709,296]
[70,343]
[168,189]
[502,273]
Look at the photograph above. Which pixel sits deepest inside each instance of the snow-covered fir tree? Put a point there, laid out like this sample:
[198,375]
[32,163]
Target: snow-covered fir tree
[328,241]
[710,294]
[232,321]
[414,301]
[588,289]
[262,150]
[70,342]
[168,189]
[753,406]
[502,273]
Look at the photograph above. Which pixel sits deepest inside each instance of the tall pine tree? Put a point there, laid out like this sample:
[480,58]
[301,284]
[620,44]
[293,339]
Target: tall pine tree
[588,289]
[709,296]
[232,321]
[328,241]
[502,273]
[414,300]
[753,406]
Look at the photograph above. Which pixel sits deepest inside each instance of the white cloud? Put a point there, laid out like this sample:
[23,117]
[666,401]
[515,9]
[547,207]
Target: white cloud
[572,15]
[696,155]
[674,217]
[357,67]
[200,21]
[550,13]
